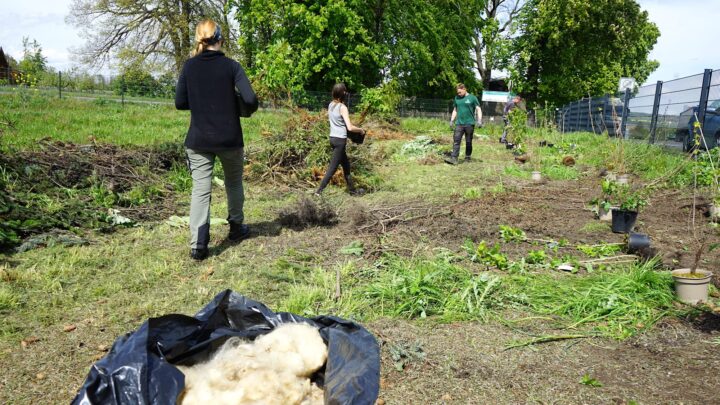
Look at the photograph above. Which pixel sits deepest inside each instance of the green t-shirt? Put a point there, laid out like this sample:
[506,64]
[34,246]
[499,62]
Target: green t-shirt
[465,107]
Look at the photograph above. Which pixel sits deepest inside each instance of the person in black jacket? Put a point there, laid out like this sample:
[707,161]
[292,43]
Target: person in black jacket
[208,84]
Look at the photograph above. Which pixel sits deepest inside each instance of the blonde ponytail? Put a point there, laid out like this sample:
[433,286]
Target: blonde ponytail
[206,34]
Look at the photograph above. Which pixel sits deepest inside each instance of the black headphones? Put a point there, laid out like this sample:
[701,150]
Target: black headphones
[217,36]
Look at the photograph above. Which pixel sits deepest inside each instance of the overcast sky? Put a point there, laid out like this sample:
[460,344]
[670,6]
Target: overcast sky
[687,44]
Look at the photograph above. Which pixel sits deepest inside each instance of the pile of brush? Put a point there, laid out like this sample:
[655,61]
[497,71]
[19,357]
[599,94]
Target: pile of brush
[274,369]
[298,154]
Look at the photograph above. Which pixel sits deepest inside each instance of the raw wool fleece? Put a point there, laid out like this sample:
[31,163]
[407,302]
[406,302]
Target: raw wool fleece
[274,369]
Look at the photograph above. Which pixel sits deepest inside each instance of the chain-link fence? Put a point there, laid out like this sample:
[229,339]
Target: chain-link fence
[662,113]
[145,88]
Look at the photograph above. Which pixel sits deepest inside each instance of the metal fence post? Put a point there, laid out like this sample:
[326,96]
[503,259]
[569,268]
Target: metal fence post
[578,115]
[59,84]
[704,94]
[655,110]
[625,111]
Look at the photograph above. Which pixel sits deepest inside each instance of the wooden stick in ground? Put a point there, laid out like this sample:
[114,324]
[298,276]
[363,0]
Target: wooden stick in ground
[337,284]
[611,258]
[545,339]
[697,256]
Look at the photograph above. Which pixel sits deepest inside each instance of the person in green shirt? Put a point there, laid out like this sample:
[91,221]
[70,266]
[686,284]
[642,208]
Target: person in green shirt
[466,114]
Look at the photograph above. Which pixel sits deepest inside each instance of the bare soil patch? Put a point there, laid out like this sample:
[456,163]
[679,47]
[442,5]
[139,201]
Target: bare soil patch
[554,210]
[465,363]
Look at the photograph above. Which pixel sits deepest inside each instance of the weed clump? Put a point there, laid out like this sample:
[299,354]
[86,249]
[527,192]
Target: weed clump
[619,304]
[299,152]
[306,213]
[359,214]
[61,185]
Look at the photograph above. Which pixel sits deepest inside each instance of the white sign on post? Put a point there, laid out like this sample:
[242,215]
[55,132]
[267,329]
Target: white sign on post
[495,96]
[626,83]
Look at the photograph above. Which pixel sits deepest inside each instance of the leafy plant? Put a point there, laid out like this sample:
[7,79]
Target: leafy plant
[518,129]
[610,190]
[510,234]
[488,256]
[632,200]
[536,257]
[471,193]
[402,354]
[589,381]
[418,147]
[354,248]
[601,250]
[382,100]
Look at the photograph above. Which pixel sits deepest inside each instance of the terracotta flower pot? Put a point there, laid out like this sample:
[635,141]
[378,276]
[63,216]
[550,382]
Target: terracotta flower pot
[691,290]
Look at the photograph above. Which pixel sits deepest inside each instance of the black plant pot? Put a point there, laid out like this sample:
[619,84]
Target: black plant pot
[638,242]
[623,221]
[509,145]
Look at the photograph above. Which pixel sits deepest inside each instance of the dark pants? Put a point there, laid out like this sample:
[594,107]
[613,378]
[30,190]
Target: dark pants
[506,121]
[339,157]
[467,130]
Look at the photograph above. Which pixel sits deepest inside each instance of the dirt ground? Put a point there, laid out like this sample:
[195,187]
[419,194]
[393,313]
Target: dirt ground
[467,364]
[556,210]
[676,362]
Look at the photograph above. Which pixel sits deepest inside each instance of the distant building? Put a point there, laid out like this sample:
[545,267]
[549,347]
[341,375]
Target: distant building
[5,68]
[498,85]
[494,99]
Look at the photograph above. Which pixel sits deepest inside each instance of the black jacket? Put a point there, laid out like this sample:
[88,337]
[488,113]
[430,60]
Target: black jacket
[207,87]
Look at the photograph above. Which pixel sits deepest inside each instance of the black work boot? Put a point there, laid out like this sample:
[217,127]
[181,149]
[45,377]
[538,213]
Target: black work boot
[238,231]
[199,253]
[451,160]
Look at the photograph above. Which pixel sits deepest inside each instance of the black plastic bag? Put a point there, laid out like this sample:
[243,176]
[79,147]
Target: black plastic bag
[139,368]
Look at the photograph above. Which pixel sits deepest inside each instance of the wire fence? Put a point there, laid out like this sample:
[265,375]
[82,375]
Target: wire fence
[663,113]
[144,88]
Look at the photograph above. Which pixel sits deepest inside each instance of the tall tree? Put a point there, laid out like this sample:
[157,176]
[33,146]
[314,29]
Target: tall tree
[426,44]
[423,44]
[289,44]
[33,62]
[493,36]
[142,31]
[575,48]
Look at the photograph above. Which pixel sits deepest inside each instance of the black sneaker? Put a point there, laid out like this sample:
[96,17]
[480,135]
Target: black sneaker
[238,232]
[468,159]
[199,253]
[451,160]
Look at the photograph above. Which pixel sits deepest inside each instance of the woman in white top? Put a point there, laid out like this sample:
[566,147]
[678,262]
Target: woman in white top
[339,125]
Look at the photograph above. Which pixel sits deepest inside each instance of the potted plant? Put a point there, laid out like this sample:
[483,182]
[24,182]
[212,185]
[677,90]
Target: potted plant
[603,205]
[517,129]
[714,209]
[616,165]
[630,202]
[691,285]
